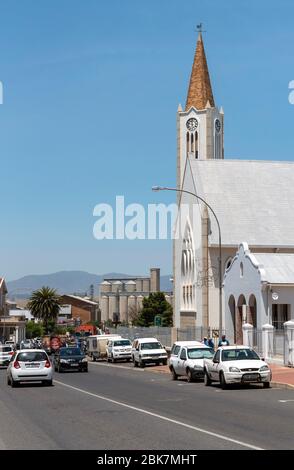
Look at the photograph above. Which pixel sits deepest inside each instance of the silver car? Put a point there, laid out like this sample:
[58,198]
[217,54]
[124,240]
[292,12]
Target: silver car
[6,352]
[29,365]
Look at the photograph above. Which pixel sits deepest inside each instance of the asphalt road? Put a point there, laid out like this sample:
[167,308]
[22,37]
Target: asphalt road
[119,407]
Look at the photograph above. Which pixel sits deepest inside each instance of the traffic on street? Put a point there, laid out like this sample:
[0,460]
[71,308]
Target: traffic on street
[119,406]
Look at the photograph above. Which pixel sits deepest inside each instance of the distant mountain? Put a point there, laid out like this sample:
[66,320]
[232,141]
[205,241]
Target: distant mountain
[68,282]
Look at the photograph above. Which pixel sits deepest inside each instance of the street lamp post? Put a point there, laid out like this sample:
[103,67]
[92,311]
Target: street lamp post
[163,188]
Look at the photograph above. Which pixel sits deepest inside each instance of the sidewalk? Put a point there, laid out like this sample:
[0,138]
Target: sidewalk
[282,376]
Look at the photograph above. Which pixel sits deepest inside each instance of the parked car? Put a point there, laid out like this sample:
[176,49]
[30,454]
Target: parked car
[10,342]
[189,361]
[117,349]
[236,364]
[70,358]
[96,345]
[148,350]
[6,353]
[29,365]
[176,347]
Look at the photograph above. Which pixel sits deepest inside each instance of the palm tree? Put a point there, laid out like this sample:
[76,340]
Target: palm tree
[44,304]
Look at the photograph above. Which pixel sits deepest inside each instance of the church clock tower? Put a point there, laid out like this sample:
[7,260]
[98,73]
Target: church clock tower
[200,136]
[200,126]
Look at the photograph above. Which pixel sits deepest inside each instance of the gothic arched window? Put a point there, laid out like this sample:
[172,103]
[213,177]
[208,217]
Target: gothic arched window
[188,271]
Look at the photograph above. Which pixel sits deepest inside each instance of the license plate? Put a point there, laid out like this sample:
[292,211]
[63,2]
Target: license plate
[74,365]
[248,377]
[32,364]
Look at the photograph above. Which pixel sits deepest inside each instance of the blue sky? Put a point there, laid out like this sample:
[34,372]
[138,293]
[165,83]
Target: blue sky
[91,91]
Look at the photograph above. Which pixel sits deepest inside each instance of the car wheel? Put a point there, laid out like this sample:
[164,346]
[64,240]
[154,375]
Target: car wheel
[108,359]
[112,359]
[8,381]
[14,384]
[189,376]
[266,385]
[207,379]
[48,383]
[59,369]
[222,380]
[141,364]
[93,358]
[174,375]
[164,362]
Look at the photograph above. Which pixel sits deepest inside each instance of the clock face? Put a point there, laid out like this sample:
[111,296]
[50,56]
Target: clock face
[192,124]
[217,125]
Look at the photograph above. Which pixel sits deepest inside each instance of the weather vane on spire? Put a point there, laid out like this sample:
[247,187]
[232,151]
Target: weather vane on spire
[199,28]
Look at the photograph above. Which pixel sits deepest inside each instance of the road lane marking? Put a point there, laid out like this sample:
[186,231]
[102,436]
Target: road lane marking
[117,366]
[164,418]
[284,401]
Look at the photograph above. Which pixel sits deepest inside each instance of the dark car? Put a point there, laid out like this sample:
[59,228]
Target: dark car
[70,359]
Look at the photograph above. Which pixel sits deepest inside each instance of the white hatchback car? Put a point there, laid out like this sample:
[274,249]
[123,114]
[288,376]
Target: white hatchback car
[29,365]
[148,350]
[190,361]
[176,347]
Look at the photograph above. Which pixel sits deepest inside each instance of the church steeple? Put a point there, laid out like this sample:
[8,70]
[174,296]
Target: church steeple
[200,91]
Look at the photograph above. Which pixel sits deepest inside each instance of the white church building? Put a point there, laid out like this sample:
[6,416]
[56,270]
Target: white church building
[253,201]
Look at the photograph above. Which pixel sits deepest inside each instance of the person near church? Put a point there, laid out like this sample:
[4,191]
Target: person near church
[208,342]
[223,341]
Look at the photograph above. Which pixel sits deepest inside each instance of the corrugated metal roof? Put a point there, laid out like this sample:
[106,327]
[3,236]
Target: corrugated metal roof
[279,267]
[253,200]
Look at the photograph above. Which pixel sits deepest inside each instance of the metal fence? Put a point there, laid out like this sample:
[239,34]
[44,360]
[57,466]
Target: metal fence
[257,341]
[279,342]
[162,333]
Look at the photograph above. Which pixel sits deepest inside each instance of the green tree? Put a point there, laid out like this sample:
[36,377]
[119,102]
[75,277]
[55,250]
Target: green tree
[33,329]
[45,304]
[155,304]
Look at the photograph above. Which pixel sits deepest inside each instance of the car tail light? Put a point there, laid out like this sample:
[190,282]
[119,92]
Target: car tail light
[10,353]
[16,365]
[47,364]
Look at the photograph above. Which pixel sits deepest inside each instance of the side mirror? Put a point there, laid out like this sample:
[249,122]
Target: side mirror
[262,358]
[216,361]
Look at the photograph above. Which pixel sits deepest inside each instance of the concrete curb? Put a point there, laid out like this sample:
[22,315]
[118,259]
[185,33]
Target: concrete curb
[282,385]
[274,384]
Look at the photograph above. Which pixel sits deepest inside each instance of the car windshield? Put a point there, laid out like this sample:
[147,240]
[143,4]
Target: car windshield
[5,349]
[122,342]
[153,345]
[32,356]
[239,354]
[70,352]
[200,353]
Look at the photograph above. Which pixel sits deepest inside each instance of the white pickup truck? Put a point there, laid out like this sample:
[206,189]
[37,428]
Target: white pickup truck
[236,364]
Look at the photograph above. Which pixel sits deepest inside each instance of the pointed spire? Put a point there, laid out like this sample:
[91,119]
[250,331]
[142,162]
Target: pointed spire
[200,90]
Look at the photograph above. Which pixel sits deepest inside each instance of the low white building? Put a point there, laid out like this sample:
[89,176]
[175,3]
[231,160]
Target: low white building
[259,289]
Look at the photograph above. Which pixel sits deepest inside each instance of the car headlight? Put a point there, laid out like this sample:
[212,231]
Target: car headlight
[234,369]
[85,359]
[264,368]
[64,361]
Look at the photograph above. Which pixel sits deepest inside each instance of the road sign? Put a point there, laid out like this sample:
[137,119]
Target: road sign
[157,320]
